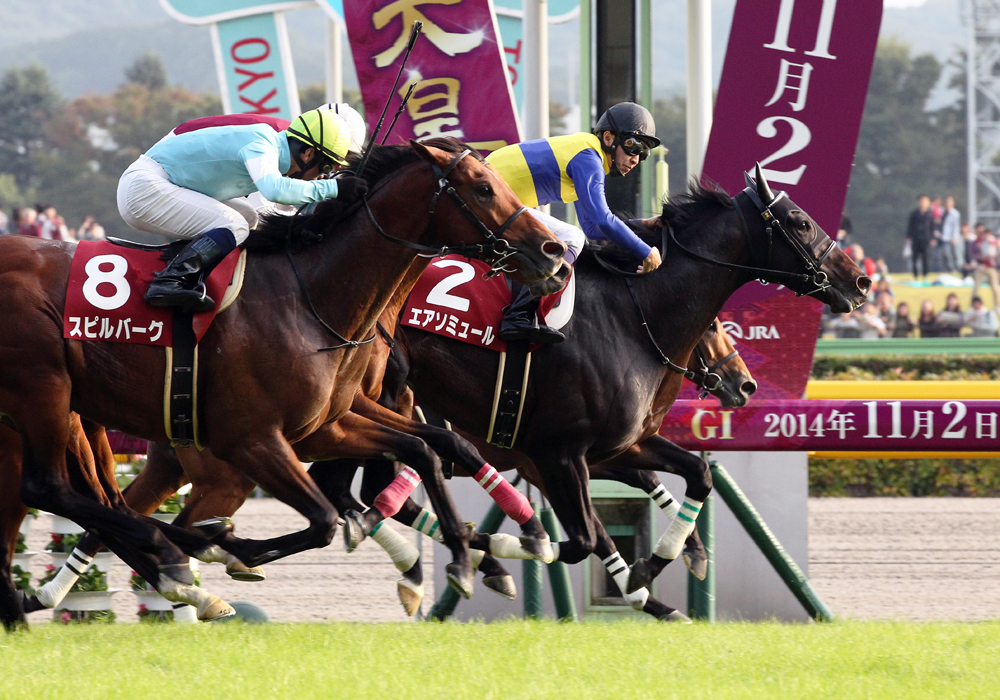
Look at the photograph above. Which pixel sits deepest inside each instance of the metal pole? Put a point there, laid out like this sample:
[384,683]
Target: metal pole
[448,601]
[701,594]
[699,91]
[970,116]
[334,62]
[650,204]
[532,578]
[761,534]
[586,98]
[536,69]
[562,587]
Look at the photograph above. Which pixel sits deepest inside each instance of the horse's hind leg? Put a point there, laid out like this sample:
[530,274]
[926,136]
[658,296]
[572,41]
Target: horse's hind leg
[12,512]
[695,556]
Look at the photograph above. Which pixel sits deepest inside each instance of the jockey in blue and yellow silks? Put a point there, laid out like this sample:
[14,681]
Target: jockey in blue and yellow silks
[572,169]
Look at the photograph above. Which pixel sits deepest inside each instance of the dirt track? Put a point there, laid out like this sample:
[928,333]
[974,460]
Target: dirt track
[921,558]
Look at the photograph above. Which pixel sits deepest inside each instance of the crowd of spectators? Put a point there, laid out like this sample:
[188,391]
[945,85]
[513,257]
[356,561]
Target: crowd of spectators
[936,241]
[43,221]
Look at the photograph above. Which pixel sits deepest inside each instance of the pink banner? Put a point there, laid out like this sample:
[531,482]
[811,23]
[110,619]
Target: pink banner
[791,97]
[854,425]
[463,89]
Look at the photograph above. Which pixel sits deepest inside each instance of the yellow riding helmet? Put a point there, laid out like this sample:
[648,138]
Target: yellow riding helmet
[323,130]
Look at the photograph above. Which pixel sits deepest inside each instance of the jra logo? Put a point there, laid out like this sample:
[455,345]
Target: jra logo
[752,332]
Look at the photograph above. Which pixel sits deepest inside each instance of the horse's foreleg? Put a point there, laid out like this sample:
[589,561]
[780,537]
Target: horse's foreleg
[619,571]
[450,445]
[565,482]
[694,553]
[659,454]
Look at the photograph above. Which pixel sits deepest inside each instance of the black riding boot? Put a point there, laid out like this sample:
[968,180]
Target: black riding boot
[520,319]
[175,286]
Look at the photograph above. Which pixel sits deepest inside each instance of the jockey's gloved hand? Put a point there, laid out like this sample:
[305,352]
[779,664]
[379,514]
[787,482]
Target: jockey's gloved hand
[351,188]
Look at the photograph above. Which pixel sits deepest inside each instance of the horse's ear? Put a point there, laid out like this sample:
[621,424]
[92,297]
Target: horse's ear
[763,189]
[434,156]
[748,178]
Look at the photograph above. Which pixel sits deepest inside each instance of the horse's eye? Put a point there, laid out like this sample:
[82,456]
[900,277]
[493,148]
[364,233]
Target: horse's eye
[484,191]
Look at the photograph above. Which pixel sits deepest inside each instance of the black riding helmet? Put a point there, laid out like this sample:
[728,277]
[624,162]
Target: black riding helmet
[633,128]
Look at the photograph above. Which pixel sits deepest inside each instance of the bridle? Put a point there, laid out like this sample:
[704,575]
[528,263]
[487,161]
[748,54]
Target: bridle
[774,213]
[707,378]
[495,251]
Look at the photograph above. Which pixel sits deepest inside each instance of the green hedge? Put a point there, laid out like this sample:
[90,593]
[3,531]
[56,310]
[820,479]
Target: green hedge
[904,477]
[908,367]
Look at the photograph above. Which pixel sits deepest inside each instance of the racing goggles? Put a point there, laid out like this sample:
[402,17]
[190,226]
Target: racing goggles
[634,147]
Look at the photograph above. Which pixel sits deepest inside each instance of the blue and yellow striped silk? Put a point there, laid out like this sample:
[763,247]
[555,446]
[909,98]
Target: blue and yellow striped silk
[536,170]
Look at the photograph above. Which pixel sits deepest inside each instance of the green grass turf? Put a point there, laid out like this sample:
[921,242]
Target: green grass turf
[503,660]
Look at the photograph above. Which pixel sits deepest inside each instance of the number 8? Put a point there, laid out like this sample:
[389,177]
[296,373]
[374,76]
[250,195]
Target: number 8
[115,276]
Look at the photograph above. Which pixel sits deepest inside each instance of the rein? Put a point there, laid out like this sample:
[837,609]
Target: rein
[497,248]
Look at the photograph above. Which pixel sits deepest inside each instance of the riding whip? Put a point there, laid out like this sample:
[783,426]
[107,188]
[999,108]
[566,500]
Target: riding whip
[417,26]
[398,112]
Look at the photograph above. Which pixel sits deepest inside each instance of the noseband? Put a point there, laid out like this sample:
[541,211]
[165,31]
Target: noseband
[707,378]
[495,251]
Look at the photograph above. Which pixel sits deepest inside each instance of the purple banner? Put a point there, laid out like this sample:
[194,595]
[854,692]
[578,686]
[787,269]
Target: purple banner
[463,89]
[854,425]
[791,97]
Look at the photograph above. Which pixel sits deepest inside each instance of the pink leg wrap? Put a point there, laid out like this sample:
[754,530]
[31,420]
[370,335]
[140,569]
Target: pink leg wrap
[395,494]
[512,501]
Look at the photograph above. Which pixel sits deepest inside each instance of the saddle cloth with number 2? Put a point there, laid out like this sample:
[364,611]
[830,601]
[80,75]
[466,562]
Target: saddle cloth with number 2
[104,297]
[453,299]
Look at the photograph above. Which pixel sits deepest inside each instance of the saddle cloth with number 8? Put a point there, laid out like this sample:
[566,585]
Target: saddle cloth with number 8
[104,297]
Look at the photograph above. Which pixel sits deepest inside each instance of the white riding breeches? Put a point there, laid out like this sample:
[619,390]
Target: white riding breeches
[149,201]
[569,234]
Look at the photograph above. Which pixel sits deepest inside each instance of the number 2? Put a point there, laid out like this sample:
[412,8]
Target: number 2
[800,138]
[439,294]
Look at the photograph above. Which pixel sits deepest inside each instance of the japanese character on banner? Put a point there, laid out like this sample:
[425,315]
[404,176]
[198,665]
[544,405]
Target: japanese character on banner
[451,43]
[800,86]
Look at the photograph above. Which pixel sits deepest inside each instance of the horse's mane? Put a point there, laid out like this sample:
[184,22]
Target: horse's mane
[277,231]
[680,212]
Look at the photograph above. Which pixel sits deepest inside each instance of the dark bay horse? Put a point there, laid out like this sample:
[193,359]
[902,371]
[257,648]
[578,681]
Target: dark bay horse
[602,394]
[270,373]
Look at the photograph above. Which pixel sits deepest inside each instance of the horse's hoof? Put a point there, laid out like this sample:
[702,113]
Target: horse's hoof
[238,571]
[355,531]
[461,579]
[411,595]
[539,547]
[675,616]
[504,585]
[214,528]
[640,576]
[697,563]
[215,610]
[29,603]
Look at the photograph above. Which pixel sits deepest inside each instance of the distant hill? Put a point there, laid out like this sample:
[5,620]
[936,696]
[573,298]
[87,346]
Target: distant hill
[87,50]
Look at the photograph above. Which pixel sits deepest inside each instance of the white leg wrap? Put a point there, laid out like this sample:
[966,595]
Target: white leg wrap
[185,614]
[427,523]
[555,551]
[671,542]
[403,554]
[53,592]
[508,547]
[177,592]
[476,555]
[213,554]
[667,503]
[618,569]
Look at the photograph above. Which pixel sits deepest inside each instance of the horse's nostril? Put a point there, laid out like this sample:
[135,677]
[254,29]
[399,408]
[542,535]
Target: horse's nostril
[556,249]
[748,388]
[865,284]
